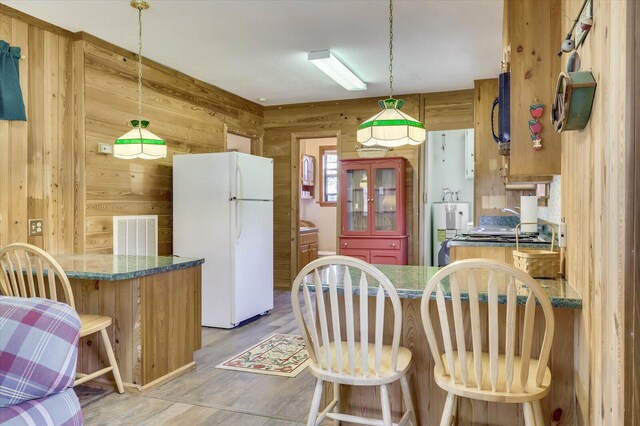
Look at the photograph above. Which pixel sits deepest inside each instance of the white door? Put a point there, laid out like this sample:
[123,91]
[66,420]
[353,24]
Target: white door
[253,263]
[252,177]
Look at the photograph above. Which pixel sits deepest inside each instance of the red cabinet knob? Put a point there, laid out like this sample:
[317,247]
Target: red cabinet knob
[393,245]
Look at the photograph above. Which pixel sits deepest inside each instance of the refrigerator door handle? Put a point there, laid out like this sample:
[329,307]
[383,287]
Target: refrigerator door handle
[238,182]
[238,224]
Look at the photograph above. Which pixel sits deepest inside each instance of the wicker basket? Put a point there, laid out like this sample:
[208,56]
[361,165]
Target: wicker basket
[537,263]
[372,152]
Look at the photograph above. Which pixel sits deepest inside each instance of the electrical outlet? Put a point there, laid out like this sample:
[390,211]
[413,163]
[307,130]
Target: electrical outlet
[562,234]
[35,227]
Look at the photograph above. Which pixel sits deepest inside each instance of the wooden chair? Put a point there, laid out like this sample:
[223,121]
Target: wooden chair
[339,343]
[494,376]
[29,271]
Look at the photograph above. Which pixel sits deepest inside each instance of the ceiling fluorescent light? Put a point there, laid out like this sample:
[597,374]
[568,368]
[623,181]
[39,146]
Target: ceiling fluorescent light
[335,69]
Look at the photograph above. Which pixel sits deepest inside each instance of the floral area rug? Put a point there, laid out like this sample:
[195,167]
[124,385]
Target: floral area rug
[278,355]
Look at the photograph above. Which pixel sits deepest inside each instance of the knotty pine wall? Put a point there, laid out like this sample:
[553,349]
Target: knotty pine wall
[81,91]
[439,111]
[593,188]
[38,161]
[191,116]
[490,195]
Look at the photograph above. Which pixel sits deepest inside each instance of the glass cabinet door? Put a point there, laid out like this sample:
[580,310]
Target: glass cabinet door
[385,203]
[357,201]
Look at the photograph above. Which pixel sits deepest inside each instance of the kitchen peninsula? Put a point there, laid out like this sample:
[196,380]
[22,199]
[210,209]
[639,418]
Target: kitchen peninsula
[155,304]
[410,282]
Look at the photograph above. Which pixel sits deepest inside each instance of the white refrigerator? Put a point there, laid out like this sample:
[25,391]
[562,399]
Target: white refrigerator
[223,212]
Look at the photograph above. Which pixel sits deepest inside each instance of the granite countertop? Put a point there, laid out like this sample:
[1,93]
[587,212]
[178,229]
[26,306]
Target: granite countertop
[410,282]
[306,229]
[459,241]
[119,267]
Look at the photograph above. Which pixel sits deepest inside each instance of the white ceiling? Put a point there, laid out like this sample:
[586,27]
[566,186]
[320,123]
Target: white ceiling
[259,48]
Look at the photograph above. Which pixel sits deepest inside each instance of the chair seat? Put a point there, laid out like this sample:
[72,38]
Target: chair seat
[531,393]
[386,374]
[93,323]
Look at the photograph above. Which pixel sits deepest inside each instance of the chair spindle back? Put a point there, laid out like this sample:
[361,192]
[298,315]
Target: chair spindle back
[353,355]
[500,374]
[29,271]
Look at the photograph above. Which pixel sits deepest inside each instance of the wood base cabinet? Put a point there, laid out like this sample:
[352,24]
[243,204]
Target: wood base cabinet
[372,206]
[307,247]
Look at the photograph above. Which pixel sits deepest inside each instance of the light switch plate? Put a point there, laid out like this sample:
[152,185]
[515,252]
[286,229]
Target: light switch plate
[562,234]
[105,148]
[35,227]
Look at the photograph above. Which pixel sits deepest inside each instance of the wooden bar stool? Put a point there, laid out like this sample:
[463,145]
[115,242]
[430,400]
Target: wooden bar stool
[29,271]
[488,376]
[339,345]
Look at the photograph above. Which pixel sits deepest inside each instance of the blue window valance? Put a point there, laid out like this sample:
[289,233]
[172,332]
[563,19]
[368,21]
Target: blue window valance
[11,102]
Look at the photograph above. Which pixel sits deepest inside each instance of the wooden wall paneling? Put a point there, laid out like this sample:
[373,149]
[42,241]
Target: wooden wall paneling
[5,153]
[36,177]
[168,308]
[632,212]
[79,91]
[35,130]
[535,37]
[79,138]
[593,194]
[190,119]
[18,139]
[489,190]
[448,110]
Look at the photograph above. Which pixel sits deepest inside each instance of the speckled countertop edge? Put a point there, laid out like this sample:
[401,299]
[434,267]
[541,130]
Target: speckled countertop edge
[117,276]
[541,245]
[561,293]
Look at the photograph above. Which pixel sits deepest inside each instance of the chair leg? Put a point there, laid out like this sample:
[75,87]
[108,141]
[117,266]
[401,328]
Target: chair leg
[315,404]
[529,417]
[338,407]
[537,413]
[386,405]
[408,401]
[112,359]
[449,407]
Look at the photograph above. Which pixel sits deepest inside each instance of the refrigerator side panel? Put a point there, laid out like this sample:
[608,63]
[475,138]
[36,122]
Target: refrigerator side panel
[201,222]
[252,177]
[253,252]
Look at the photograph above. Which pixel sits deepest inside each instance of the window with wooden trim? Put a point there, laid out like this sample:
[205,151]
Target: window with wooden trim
[329,169]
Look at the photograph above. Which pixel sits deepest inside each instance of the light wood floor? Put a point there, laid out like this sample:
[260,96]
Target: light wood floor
[211,396]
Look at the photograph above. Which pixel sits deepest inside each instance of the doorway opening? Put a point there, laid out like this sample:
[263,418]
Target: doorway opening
[448,180]
[237,143]
[318,195]
[296,190]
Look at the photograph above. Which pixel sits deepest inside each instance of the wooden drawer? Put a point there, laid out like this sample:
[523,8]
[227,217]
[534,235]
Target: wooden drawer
[370,243]
[307,238]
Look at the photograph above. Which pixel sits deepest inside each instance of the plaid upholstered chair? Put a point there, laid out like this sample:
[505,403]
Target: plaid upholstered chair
[38,352]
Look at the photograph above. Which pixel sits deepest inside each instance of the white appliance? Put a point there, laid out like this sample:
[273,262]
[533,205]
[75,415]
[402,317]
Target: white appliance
[223,212]
[449,220]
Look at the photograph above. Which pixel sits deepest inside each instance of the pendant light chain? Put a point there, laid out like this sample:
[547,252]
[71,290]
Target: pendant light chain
[390,49]
[140,65]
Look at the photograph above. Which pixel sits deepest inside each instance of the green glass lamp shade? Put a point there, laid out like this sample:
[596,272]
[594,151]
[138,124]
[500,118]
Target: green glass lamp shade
[139,143]
[391,127]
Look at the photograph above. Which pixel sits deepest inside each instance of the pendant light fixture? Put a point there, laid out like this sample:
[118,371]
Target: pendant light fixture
[391,127]
[139,142]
